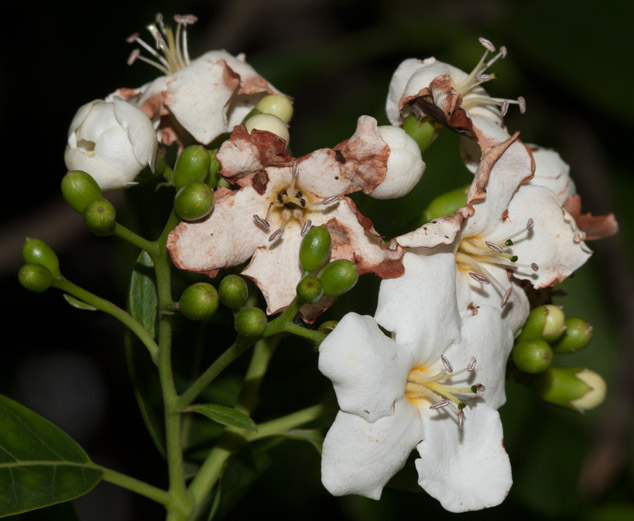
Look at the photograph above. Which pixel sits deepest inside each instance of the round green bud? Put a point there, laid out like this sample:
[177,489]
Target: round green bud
[79,189]
[545,322]
[233,291]
[577,336]
[315,248]
[100,217]
[159,163]
[192,166]
[214,169]
[194,201]
[445,204]
[269,123]
[250,322]
[327,327]
[199,301]
[310,289]
[339,277]
[36,251]
[278,105]
[423,131]
[532,356]
[574,388]
[35,277]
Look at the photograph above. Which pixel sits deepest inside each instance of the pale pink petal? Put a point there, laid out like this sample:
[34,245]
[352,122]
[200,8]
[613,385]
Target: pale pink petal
[359,457]
[552,172]
[320,174]
[368,369]
[465,469]
[594,226]
[420,307]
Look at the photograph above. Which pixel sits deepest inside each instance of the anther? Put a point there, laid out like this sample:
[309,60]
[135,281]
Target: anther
[514,258]
[507,297]
[461,419]
[133,56]
[330,200]
[503,51]
[479,278]
[472,364]
[486,44]
[483,77]
[185,19]
[530,224]
[280,198]
[522,103]
[262,222]
[302,201]
[439,405]
[276,234]
[132,38]
[480,388]
[494,247]
[534,266]
[446,363]
[306,227]
[504,108]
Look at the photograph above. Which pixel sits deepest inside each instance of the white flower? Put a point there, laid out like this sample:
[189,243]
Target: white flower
[411,392]
[111,140]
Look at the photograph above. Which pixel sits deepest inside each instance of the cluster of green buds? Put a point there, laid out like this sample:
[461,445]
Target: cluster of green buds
[548,333]
[84,196]
[195,176]
[42,266]
[248,321]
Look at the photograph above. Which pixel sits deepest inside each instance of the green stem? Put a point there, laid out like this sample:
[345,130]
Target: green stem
[280,323]
[304,332]
[260,359]
[135,485]
[128,235]
[286,423]
[108,307]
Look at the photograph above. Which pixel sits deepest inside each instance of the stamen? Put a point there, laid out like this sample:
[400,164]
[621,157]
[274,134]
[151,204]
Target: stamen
[480,388]
[530,224]
[461,419]
[505,108]
[307,225]
[506,297]
[534,266]
[446,363]
[439,405]
[276,234]
[479,278]
[262,222]
[522,103]
[481,78]
[472,364]
[486,44]
[133,56]
[185,19]
[328,201]
[503,51]
[132,38]
[494,247]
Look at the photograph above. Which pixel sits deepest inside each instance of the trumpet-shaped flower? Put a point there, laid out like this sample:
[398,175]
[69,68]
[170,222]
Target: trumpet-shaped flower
[279,199]
[112,141]
[435,387]
[206,97]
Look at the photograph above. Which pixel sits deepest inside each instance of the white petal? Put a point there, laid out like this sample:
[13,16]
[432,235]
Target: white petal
[420,307]
[114,148]
[368,369]
[139,130]
[100,119]
[359,457]
[106,177]
[80,116]
[465,469]
[399,81]
[552,172]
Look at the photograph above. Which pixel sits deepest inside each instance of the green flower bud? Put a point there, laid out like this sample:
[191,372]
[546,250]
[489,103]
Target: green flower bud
[575,388]
[315,248]
[545,322]
[445,204]
[100,216]
[36,251]
[532,356]
[233,291]
[35,277]
[423,131]
[193,201]
[199,301]
[250,322]
[192,166]
[327,327]
[79,189]
[278,105]
[577,336]
[310,289]
[214,169]
[269,123]
[339,277]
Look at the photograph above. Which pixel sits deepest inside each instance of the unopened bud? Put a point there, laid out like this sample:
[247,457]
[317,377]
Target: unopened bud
[545,322]
[445,204]
[192,166]
[315,248]
[80,189]
[269,123]
[250,322]
[310,289]
[36,251]
[193,201]
[532,356]
[199,301]
[214,169]
[233,291]
[277,105]
[423,131]
[100,217]
[577,336]
[35,277]
[339,277]
[575,388]
[327,327]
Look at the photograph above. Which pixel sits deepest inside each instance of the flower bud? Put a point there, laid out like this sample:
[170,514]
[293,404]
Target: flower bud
[532,356]
[35,277]
[575,388]
[422,131]
[405,166]
[112,141]
[79,189]
[192,166]
[277,105]
[214,169]
[36,251]
[310,289]
[100,217]
[577,336]
[199,301]
[315,248]
[327,327]
[269,123]
[545,322]
[250,322]
[445,204]
[233,291]
[194,201]
[339,277]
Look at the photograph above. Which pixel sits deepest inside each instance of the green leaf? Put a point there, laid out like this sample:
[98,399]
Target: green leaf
[79,304]
[224,415]
[313,436]
[143,305]
[61,512]
[40,465]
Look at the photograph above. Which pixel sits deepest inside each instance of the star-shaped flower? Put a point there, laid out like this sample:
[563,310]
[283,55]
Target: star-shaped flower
[280,198]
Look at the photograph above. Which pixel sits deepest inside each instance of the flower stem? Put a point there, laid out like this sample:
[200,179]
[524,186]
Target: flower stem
[262,354]
[128,235]
[286,423]
[106,306]
[135,485]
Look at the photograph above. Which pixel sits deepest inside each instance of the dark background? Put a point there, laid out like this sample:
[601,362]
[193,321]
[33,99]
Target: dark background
[572,61]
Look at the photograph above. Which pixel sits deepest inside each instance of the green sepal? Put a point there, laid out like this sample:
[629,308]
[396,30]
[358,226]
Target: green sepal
[544,322]
[214,169]
[78,304]
[445,204]
[423,131]
[224,415]
[560,386]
